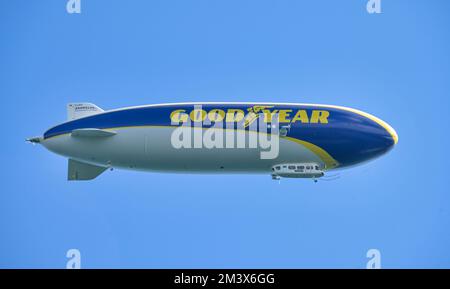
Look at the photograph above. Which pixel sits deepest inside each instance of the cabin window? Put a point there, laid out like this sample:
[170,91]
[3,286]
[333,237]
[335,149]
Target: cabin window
[292,167]
[317,167]
[308,167]
[278,168]
[302,167]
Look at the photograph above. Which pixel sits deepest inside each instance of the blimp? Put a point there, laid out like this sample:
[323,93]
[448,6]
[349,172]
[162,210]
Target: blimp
[281,140]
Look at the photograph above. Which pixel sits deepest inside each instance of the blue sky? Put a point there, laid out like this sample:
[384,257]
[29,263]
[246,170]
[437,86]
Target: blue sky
[394,65]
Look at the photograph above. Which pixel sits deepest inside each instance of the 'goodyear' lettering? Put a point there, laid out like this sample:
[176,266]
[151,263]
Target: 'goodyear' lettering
[238,115]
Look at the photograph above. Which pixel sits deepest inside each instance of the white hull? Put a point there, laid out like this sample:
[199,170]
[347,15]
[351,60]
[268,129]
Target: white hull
[150,149]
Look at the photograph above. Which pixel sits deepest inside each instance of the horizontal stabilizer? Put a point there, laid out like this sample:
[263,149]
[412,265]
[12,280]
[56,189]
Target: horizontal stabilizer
[79,110]
[78,171]
[92,132]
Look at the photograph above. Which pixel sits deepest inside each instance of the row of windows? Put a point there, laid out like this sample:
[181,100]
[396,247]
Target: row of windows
[297,167]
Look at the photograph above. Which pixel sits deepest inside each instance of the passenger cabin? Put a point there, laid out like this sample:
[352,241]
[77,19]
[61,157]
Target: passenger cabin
[297,170]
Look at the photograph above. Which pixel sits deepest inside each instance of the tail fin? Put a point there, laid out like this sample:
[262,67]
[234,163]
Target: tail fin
[82,171]
[79,110]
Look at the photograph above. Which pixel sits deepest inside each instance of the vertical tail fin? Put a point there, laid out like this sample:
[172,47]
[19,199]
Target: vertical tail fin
[78,110]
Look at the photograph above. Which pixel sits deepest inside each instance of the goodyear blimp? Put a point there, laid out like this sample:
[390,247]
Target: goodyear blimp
[289,140]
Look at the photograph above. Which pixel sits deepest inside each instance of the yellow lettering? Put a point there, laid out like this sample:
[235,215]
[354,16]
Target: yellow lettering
[179,115]
[320,116]
[269,114]
[216,115]
[302,116]
[235,115]
[198,115]
[284,115]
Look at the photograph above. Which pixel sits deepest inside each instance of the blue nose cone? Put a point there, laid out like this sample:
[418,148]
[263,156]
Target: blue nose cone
[380,138]
[384,142]
[388,135]
[357,137]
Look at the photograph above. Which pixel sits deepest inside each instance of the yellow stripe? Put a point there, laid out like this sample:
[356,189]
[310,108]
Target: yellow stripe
[329,161]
